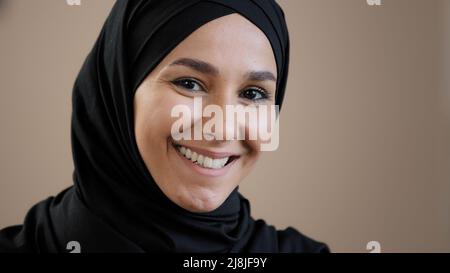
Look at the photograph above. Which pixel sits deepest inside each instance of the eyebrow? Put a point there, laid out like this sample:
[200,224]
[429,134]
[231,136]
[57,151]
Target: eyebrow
[207,68]
[261,76]
[198,65]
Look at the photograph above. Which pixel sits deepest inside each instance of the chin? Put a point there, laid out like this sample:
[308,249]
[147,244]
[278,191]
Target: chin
[202,200]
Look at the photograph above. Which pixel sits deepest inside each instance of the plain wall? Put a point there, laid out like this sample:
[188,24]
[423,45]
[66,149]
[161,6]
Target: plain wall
[365,126]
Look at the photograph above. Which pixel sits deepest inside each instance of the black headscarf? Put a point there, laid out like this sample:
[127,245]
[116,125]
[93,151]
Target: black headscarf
[115,205]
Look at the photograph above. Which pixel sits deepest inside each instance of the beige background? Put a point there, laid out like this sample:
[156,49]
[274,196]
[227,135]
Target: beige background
[365,131]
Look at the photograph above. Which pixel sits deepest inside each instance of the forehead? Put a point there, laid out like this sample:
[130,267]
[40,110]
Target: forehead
[231,43]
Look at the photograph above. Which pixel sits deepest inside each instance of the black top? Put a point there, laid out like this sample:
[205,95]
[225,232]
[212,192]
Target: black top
[115,205]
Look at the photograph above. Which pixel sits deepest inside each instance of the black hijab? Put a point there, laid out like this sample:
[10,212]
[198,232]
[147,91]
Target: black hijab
[115,205]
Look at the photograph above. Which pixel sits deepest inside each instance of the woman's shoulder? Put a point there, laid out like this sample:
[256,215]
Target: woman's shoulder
[12,240]
[291,240]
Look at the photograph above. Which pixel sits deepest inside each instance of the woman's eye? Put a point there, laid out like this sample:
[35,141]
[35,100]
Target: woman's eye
[254,94]
[188,84]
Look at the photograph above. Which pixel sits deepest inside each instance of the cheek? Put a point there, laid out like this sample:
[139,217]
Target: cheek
[153,127]
[265,127]
[153,116]
[250,158]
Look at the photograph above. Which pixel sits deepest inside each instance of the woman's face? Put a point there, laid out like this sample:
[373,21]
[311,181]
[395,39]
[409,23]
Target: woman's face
[227,61]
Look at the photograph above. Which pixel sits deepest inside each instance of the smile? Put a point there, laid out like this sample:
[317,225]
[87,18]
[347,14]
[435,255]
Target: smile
[204,160]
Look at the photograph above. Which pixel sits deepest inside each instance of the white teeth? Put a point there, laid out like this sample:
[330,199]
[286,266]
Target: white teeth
[194,157]
[202,160]
[188,154]
[208,162]
[216,163]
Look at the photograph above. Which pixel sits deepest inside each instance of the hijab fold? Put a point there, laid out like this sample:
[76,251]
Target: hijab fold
[114,204]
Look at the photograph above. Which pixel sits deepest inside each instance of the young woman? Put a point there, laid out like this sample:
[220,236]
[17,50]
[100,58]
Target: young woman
[136,187]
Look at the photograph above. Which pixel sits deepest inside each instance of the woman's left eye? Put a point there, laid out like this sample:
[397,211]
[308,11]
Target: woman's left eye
[188,84]
[254,94]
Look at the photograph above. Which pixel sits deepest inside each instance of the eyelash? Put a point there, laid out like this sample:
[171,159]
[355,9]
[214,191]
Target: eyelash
[263,93]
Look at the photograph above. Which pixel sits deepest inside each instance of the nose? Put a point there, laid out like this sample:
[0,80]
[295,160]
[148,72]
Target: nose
[220,122]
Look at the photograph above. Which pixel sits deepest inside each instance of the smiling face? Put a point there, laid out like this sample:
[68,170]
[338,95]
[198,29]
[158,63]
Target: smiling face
[227,61]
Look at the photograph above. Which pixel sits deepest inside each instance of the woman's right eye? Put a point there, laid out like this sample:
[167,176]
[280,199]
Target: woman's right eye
[188,84]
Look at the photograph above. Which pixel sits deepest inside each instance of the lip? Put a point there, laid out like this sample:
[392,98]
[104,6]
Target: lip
[212,154]
[204,171]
